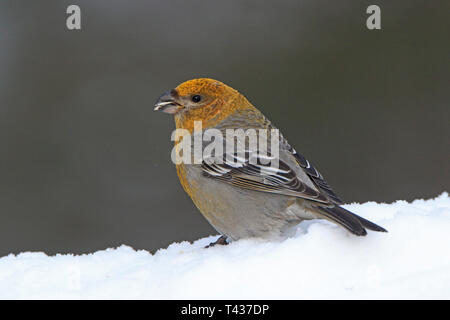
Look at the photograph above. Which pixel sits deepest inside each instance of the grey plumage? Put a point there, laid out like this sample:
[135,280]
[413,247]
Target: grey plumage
[268,203]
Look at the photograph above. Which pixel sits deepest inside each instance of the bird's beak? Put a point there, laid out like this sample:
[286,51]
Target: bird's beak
[167,103]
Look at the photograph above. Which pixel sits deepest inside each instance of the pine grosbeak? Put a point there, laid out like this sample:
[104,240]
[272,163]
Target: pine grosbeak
[246,200]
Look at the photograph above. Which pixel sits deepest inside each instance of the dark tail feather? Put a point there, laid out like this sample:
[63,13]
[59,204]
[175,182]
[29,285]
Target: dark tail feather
[367,224]
[352,222]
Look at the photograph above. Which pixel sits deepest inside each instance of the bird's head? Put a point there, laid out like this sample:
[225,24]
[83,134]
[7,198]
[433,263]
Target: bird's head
[205,100]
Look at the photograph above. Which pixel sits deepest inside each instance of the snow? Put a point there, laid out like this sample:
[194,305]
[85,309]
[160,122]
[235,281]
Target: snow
[323,261]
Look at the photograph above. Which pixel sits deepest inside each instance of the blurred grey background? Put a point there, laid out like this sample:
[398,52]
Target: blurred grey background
[85,162]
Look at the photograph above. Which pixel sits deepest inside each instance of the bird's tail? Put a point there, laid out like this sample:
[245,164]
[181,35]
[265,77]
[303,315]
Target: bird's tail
[352,222]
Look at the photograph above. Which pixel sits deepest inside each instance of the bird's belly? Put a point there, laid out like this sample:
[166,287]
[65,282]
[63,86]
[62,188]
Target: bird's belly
[240,213]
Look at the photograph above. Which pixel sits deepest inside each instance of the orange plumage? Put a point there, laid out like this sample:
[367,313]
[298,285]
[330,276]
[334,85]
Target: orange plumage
[223,101]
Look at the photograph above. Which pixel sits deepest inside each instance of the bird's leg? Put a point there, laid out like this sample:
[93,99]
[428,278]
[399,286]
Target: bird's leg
[222,241]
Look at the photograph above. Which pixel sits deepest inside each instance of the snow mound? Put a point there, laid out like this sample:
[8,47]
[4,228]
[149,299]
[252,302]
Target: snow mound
[321,261]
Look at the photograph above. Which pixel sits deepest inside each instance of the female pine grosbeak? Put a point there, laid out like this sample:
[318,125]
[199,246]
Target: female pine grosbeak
[241,199]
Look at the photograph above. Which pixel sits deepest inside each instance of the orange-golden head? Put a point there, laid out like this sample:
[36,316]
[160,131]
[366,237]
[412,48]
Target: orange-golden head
[206,100]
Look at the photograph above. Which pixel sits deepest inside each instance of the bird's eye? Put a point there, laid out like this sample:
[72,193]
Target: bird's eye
[196,98]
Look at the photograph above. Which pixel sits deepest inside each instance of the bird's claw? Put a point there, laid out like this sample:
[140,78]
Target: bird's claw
[222,240]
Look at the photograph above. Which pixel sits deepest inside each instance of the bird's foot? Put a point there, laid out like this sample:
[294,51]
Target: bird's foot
[221,241]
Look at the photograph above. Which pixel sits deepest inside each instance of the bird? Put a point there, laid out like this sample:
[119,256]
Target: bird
[250,199]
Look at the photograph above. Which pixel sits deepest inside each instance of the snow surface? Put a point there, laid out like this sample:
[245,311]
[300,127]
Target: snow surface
[321,261]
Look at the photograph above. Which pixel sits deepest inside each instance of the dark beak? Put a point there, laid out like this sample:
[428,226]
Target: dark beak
[167,103]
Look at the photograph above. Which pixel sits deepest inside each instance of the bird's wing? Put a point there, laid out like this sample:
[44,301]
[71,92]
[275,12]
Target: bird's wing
[283,181]
[255,175]
[312,173]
